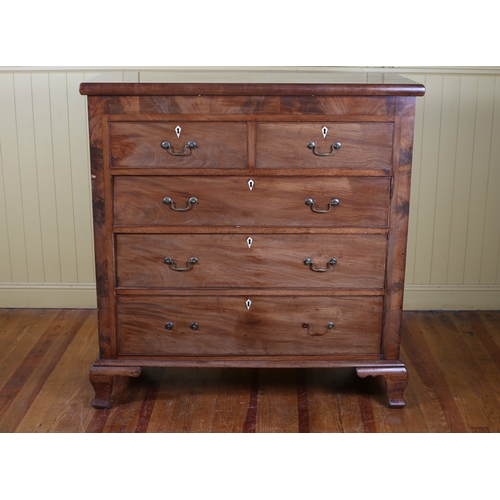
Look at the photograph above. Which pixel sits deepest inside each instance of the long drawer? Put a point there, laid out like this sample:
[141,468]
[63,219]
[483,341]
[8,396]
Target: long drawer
[199,145]
[250,260]
[272,201]
[256,325]
[345,145]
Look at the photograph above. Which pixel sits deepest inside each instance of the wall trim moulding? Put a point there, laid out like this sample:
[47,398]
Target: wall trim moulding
[83,296]
[48,295]
[451,297]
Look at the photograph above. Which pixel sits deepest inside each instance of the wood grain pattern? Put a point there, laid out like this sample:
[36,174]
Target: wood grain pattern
[255,105]
[337,84]
[398,232]
[273,201]
[443,352]
[102,235]
[218,145]
[284,145]
[226,261]
[272,326]
[31,373]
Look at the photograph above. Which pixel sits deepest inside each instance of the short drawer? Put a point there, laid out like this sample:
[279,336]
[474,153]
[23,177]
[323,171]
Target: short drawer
[363,145]
[250,261]
[254,325]
[272,201]
[199,144]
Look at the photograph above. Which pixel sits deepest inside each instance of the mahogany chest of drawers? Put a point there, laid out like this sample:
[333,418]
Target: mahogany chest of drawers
[251,225]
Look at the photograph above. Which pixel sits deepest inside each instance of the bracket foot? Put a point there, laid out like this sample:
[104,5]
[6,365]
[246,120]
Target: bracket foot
[101,378]
[396,380]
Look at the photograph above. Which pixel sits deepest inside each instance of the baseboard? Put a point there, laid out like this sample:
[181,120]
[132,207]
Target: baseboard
[451,297]
[48,295]
[83,295]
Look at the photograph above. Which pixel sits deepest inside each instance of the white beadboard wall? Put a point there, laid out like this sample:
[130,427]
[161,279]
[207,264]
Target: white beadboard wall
[46,248]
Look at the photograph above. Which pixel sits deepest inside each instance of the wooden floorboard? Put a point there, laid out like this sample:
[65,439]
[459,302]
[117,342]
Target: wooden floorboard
[453,361]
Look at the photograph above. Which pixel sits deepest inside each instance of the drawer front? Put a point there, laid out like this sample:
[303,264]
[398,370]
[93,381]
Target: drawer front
[139,145]
[273,201]
[362,145]
[250,261]
[203,326]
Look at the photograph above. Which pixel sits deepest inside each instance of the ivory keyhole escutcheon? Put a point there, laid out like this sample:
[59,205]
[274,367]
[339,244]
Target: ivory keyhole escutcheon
[248,304]
[251,184]
[249,242]
[178,131]
[324,131]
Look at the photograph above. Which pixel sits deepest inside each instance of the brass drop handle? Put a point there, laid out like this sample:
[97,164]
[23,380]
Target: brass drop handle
[191,202]
[310,329]
[310,203]
[335,147]
[310,263]
[186,149]
[190,263]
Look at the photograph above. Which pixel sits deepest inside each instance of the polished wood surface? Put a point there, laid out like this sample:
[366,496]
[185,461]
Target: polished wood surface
[333,83]
[273,201]
[218,145]
[363,145]
[271,261]
[279,326]
[453,360]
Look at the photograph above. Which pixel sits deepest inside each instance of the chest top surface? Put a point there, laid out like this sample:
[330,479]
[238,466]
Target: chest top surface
[239,82]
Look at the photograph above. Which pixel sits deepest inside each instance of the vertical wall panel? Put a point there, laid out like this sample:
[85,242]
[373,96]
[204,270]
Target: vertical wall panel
[462,179]
[490,254]
[5,263]
[445,171]
[479,180]
[63,177]
[80,174]
[12,181]
[428,175]
[28,177]
[46,180]
[5,272]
